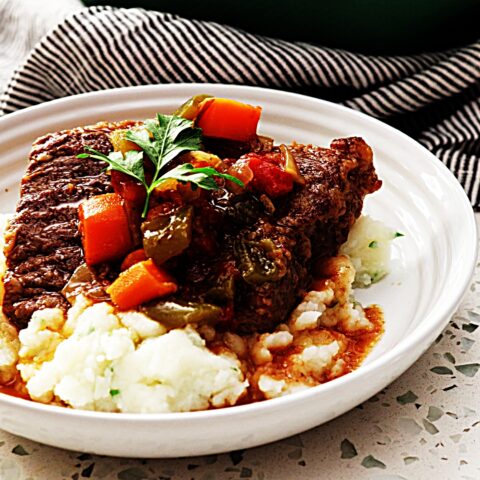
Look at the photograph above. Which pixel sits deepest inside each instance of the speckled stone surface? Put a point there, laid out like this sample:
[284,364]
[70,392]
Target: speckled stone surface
[424,425]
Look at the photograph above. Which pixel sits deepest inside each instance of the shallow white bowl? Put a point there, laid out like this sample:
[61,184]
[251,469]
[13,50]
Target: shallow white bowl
[433,265]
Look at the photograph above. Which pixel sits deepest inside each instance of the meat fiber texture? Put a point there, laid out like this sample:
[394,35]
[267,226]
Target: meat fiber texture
[308,224]
[43,245]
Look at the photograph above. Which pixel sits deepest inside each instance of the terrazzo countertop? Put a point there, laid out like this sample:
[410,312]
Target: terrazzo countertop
[427,423]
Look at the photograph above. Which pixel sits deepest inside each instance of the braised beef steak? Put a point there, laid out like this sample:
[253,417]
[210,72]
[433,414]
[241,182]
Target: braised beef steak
[43,245]
[231,232]
[311,222]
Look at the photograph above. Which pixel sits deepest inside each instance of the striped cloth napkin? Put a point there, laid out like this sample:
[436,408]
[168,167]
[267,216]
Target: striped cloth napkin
[435,97]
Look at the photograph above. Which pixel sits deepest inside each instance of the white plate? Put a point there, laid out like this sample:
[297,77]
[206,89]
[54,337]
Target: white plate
[433,266]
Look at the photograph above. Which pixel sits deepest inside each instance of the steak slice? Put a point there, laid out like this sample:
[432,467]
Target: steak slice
[337,181]
[310,223]
[43,244]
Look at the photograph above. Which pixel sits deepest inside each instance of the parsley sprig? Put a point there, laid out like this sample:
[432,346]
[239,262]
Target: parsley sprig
[172,135]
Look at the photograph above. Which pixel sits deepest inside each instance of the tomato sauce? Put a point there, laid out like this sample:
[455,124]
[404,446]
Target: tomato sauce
[16,388]
[359,346]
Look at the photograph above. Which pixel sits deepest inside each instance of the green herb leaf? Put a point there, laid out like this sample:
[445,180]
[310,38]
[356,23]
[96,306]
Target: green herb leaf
[114,392]
[142,139]
[162,141]
[171,136]
[131,164]
[373,244]
[133,161]
[398,234]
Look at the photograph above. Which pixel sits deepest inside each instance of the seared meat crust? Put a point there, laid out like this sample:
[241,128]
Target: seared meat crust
[43,245]
[337,180]
[310,223]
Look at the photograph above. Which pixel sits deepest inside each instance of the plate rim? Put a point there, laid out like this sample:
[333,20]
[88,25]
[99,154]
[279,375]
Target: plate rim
[425,332]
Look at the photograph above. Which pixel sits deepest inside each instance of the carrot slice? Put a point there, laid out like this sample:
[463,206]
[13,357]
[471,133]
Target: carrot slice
[104,227]
[142,282]
[133,258]
[229,119]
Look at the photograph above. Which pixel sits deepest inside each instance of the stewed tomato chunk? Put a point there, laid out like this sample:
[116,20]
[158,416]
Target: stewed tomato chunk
[268,177]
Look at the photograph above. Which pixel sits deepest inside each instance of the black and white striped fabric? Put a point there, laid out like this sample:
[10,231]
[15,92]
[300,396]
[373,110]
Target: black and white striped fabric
[435,98]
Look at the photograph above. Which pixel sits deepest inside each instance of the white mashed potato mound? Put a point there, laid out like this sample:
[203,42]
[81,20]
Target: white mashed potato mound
[318,330]
[307,314]
[334,305]
[273,388]
[9,346]
[98,359]
[314,361]
[368,246]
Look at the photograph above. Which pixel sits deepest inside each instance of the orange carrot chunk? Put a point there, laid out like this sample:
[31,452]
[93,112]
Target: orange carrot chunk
[104,227]
[141,283]
[229,119]
[133,258]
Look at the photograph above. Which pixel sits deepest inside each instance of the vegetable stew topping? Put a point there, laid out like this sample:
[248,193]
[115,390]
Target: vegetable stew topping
[195,226]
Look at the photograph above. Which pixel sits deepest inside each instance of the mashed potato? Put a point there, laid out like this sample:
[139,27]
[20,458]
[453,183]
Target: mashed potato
[368,246]
[97,359]
[317,335]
